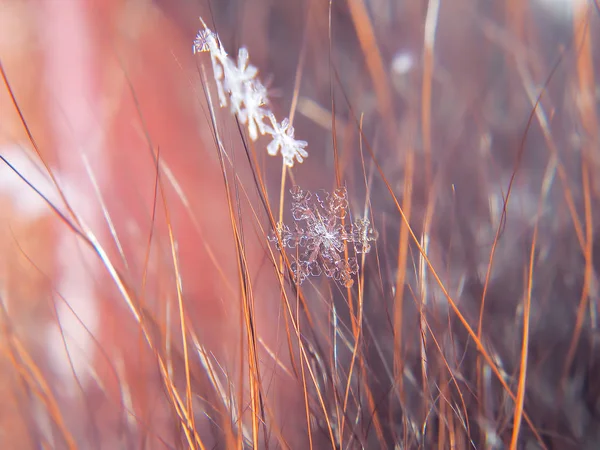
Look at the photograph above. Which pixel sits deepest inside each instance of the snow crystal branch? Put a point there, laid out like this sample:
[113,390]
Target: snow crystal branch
[239,86]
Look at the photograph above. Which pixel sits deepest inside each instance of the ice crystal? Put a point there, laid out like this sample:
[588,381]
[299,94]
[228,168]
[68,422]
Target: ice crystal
[283,140]
[321,230]
[239,86]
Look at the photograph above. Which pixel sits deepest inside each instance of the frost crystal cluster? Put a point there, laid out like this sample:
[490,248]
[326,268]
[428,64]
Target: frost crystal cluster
[320,231]
[239,86]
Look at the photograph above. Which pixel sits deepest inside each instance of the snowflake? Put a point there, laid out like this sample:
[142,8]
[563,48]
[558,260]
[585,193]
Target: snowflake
[283,140]
[255,97]
[238,79]
[208,41]
[321,241]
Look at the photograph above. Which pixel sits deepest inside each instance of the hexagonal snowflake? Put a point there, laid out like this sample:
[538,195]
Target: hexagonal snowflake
[321,232]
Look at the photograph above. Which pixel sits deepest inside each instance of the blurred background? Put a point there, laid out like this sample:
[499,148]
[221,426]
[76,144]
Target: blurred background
[477,119]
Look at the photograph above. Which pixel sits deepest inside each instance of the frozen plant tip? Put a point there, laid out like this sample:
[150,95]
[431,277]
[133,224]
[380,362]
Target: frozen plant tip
[320,233]
[239,86]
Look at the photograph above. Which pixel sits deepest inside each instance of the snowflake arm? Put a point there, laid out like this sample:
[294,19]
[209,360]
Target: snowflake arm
[362,235]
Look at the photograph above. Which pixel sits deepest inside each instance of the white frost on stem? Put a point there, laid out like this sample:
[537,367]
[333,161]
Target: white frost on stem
[238,85]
